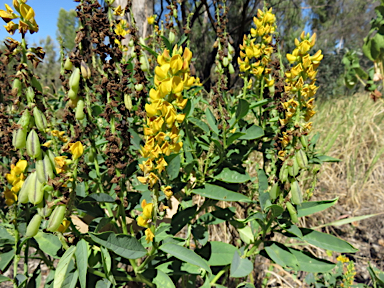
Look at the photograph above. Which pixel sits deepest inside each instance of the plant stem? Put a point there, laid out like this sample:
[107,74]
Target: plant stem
[17,256]
[218,275]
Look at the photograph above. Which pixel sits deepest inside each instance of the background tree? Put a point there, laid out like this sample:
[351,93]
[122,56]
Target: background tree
[66,28]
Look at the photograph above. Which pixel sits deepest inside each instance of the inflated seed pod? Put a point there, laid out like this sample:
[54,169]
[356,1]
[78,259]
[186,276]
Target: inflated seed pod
[51,156]
[25,119]
[19,138]
[231,70]
[68,64]
[44,209]
[79,114]
[301,158]
[33,226]
[33,145]
[74,80]
[30,94]
[139,87]
[128,101]
[56,218]
[171,37]
[225,61]
[91,154]
[44,169]
[144,62]
[35,193]
[27,185]
[293,169]
[292,212]
[274,192]
[17,85]
[40,119]
[85,71]
[297,197]
[283,176]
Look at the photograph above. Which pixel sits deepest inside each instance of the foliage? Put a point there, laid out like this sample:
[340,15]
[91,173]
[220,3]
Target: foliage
[66,28]
[120,176]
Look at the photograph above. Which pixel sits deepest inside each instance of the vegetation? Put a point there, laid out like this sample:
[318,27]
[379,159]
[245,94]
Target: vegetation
[154,165]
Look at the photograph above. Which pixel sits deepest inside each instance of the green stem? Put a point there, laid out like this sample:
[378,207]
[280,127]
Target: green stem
[218,275]
[17,256]
[149,258]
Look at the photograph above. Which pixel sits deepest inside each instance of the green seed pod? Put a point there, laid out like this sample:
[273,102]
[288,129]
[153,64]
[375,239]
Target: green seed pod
[17,86]
[30,94]
[231,50]
[231,70]
[33,145]
[72,94]
[27,185]
[274,192]
[25,119]
[36,194]
[74,80]
[144,62]
[56,218]
[80,110]
[68,64]
[292,212]
[283,176]
[297,197]
[171,37]
[44,208]
[301,159]
[131,43]
[128,101]
[175,13]
[19,138]
[293,169]
[40,119]
[91,154]
[48,188]
[225,61]
[85,71]
[304,141]
[51,156]
[44,169]
[33,226]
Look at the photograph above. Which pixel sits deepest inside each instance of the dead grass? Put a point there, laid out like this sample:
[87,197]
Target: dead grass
[352,129]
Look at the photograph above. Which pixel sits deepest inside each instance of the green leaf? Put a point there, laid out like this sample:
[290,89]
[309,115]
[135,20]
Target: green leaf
[245,285]
[81,255]
[202,125]
[233,137]
[232,176]
[107,264]
[4,279]
[149,50]
[6,258]
[309,263]
[348,220]
[246,234]
[281,255]
[325,158]
[70,280]
[264,197]
[167,43]
[260,103]
[162,280]
[99,197]
[240,267]
[217,253]
[186,255]
[182,218]
[309,208]
[376,274]
[36,84]
[211,120]
[200,233]
[5,237]
[103,283]
[183,38]
[242,109]
[327,241]
[173,167]
[220,193]
[123,245]
[48,243]
[252,133]
[61,270]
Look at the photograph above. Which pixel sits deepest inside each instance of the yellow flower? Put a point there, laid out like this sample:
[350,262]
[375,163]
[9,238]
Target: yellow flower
[167,191]
[64,226]
[142,222]
[47,144]
[11,27]
[151,19]
[10,197]
[60,164]
[147,209]
[76,149]
[161,164]
[149,235]
[342,259]
[7,14]
[118,11]
[146,166]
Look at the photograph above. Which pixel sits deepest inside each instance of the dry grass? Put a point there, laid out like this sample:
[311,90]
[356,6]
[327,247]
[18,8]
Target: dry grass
[352,129]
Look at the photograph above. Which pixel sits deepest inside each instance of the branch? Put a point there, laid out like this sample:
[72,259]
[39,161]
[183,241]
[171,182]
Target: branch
[209,15]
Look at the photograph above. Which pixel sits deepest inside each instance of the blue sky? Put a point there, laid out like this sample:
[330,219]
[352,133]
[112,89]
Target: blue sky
[46,12]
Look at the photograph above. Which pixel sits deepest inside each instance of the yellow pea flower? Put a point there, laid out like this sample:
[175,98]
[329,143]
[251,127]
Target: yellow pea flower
[7,15]
[64,226]
[149,235]
[11,27]
[151,19]
[167,191]
[142,222]
[161,164]
[76,149]
[146,166]
[118,11]
[60,164]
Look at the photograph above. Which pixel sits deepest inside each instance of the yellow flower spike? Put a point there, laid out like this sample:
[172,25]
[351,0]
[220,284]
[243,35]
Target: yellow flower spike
[152,179]
[176,63]
[76,149]
[306,61]
[253,33]
[151,19]
[317,57]
[157,124]
[291,58]
[177,84]
[296,70]
[180,118]
[160,137]
[167,191]
[161,164]
[304,47]
[170,118]
[149,235]
[142,222]
[64,226]
[166,149]
[146,166]
[187,55]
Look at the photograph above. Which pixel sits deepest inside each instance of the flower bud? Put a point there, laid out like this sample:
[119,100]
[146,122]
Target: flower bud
[17,86]
[231,70]
[33,145]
